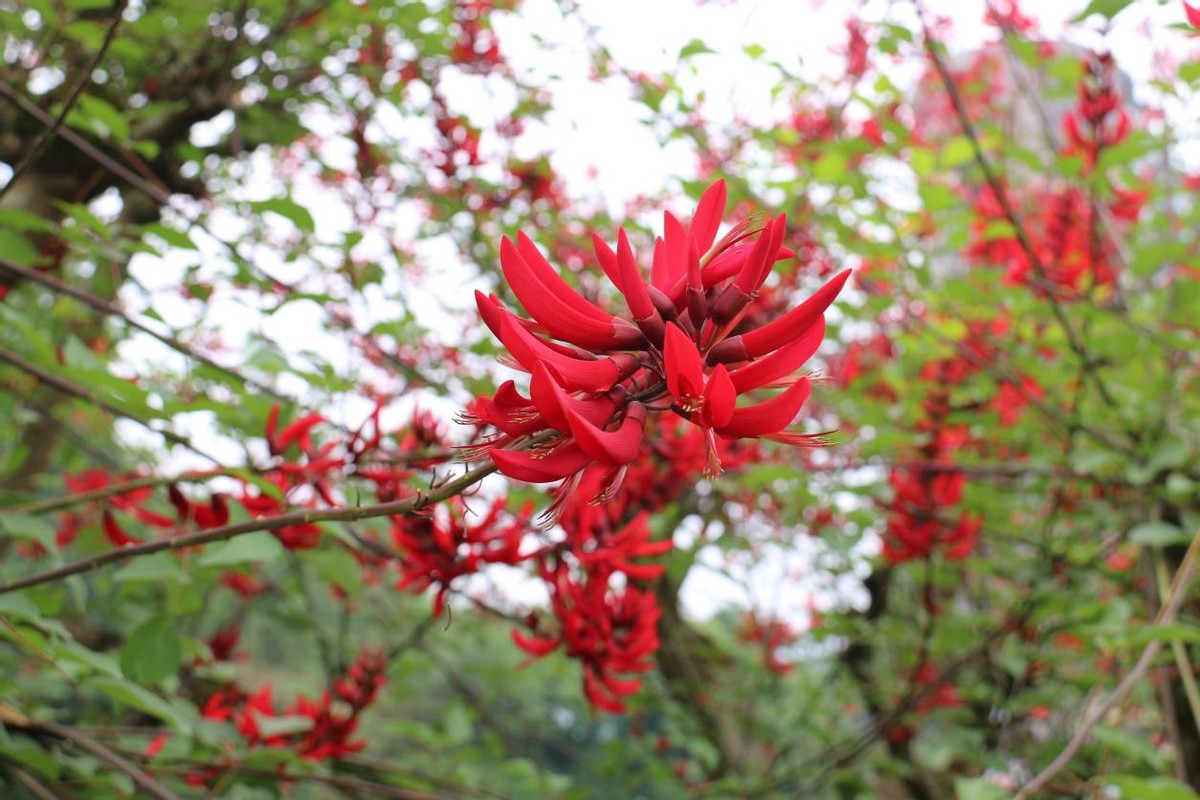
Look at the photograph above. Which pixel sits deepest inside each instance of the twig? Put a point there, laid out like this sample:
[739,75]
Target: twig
[74,390]
[48,133]
[225,532]
[1170,608]
[111,309]
[87,148]
[149,482]
[15,718]
[32,784]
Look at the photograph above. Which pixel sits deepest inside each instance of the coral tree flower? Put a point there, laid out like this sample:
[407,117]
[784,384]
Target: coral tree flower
[1192,13]
[680,344]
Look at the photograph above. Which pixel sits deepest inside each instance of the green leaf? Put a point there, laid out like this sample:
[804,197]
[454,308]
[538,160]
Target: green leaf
[289,209]
[258,547]
[830,167]
[922,161]
[172,237]
[19,606]
[1156,534]
[1151,788]
[339,567]
[29,527]
[958,151]
[150,569]
[456,725]
[695,47]
[1174,632]
[29,754]
[1106,8]
[978,789]
[16,248]
[1131,745]
[104,120]
[68,654]
[152,652]
[1189,71]
[134,696]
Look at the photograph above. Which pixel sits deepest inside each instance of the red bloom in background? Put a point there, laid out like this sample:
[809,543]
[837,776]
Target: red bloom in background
[1192,13]
[441,546]
[609,630]
[684,345]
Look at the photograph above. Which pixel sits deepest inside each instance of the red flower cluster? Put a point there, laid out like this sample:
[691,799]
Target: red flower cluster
[596,376]
[610,630]
[324,726]
[770,635]
[1062,233]
[610,539]
[924,497]
[441,546]
[915,527]
[1098,120]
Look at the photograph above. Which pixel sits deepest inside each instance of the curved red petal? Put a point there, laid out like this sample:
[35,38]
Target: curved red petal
[536,646]
[608,261]
[1192,13]
[541,467]
[593,375]
[782,362]
[675,252]
[554,304]
[720,398]
[770,416]
[632,286]
[796,322]
[707,219]
[683,365]
[611,448]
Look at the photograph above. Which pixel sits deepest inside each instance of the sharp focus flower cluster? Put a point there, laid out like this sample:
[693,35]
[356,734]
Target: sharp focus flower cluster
[681,343]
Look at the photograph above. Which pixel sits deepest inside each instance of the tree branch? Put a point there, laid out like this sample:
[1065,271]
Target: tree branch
[410,506]
[48,133]
[1172,602]
[74,390]
[104,306]
[13,717]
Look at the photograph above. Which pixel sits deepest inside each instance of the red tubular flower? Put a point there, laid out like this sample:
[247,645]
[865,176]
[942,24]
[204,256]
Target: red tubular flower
[442,546]
[1192,13]
[686,345]
[610,631]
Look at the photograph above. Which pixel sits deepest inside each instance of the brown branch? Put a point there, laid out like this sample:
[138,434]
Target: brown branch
[74,390]
[344,782]
[32,785]
[13,717]
[410,506]
[1173,601]
[993,181]
[104,306]
[87,148]
[48,133]
[57,503]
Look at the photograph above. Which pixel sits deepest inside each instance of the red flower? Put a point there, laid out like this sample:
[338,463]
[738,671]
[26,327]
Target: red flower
[1192,13]
[685,345]
[439,547]
[608,630]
